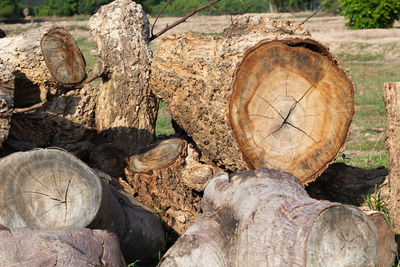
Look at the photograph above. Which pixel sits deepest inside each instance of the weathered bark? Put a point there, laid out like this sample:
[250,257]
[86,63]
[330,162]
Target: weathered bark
[264,94]
[126,109]
[265,218]
[391,94]
[168,176]
[69,118]
[387,246]
[51,189]
[33,81]
[82,247]
[7,85]
[347,184]
[63,57]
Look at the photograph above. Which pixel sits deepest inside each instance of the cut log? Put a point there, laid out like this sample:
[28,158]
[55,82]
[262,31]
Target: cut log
[264,94]
[168,176]
[52,189]
[82,247]
[63,57]
[126,109]
[33,81]
[265,218]
[7,85]
[391,94]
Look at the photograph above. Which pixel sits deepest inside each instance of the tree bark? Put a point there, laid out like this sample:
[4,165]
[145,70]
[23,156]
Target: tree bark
[169,177]
[7,85]
[264,94]
[126,109]
[265,218]
[33,81]
[81,247]
[51,189]
[391,94]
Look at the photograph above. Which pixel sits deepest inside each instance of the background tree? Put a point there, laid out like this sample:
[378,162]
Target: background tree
[10,9]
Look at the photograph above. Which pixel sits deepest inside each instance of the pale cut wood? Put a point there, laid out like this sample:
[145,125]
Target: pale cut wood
[168,176]
[265,218]
[81,247]
[63,57]
[7,85]
[52,189]
[263,94]
[391,97]
[126,109]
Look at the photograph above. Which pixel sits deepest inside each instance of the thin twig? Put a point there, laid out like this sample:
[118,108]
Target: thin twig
[244,10]
[315,12]
[229,9]
[19,110]
[182,20]
[158,16]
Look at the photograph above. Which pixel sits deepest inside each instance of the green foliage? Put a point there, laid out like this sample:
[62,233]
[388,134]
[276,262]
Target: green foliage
[375,201]
[368,14]
[10,9]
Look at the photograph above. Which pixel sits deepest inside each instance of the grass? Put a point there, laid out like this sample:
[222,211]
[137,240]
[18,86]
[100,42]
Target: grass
[374,201]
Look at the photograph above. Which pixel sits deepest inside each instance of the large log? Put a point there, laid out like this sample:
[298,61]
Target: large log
[265,218]
[52,189]
[7,85]
[391,94]
[126,109]
[261,94]
[169,176]
[82,247]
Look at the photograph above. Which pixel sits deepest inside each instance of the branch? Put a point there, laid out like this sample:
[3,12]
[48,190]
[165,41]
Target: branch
[315,12]
[159,14]
[176,23]
[244,10]
[36,106]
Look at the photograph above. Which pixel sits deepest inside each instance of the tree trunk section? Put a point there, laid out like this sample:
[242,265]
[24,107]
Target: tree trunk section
[81,247]
[7,85]
[126,109]
[51,189]
[33,81]
[391,96]
[264,94]
[169,177]
[265,218]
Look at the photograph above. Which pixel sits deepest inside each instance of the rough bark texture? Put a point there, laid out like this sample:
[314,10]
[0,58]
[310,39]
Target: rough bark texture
[63,57]
[7,85]
[391,97]
[81,247]
[33,81]
[168,176]
[348,184]
[67,119]
[283,103]
[387,246]
[265,218]
[51,189]
[126,109]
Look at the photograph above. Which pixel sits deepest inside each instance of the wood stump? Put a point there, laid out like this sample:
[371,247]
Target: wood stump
[169,177]
[81,247]
[391,94]
[265,218]
[52,189]
[263,94]
[126,109]
[7,85]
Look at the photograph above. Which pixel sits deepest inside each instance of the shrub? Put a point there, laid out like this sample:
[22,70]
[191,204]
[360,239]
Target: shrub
[367,14]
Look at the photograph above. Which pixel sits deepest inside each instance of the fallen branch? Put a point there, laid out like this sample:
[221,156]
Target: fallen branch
[176,23]
[158,16]
[315,12]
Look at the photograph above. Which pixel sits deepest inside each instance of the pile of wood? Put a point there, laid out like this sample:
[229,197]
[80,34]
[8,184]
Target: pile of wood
[264,105]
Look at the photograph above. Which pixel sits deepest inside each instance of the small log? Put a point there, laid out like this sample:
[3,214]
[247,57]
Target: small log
[81,247]
[169,177]
[265,218]
[391,94]
[264,94]
[126,109]
[52,189]
[63,57]
[7,85]
[33,81]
